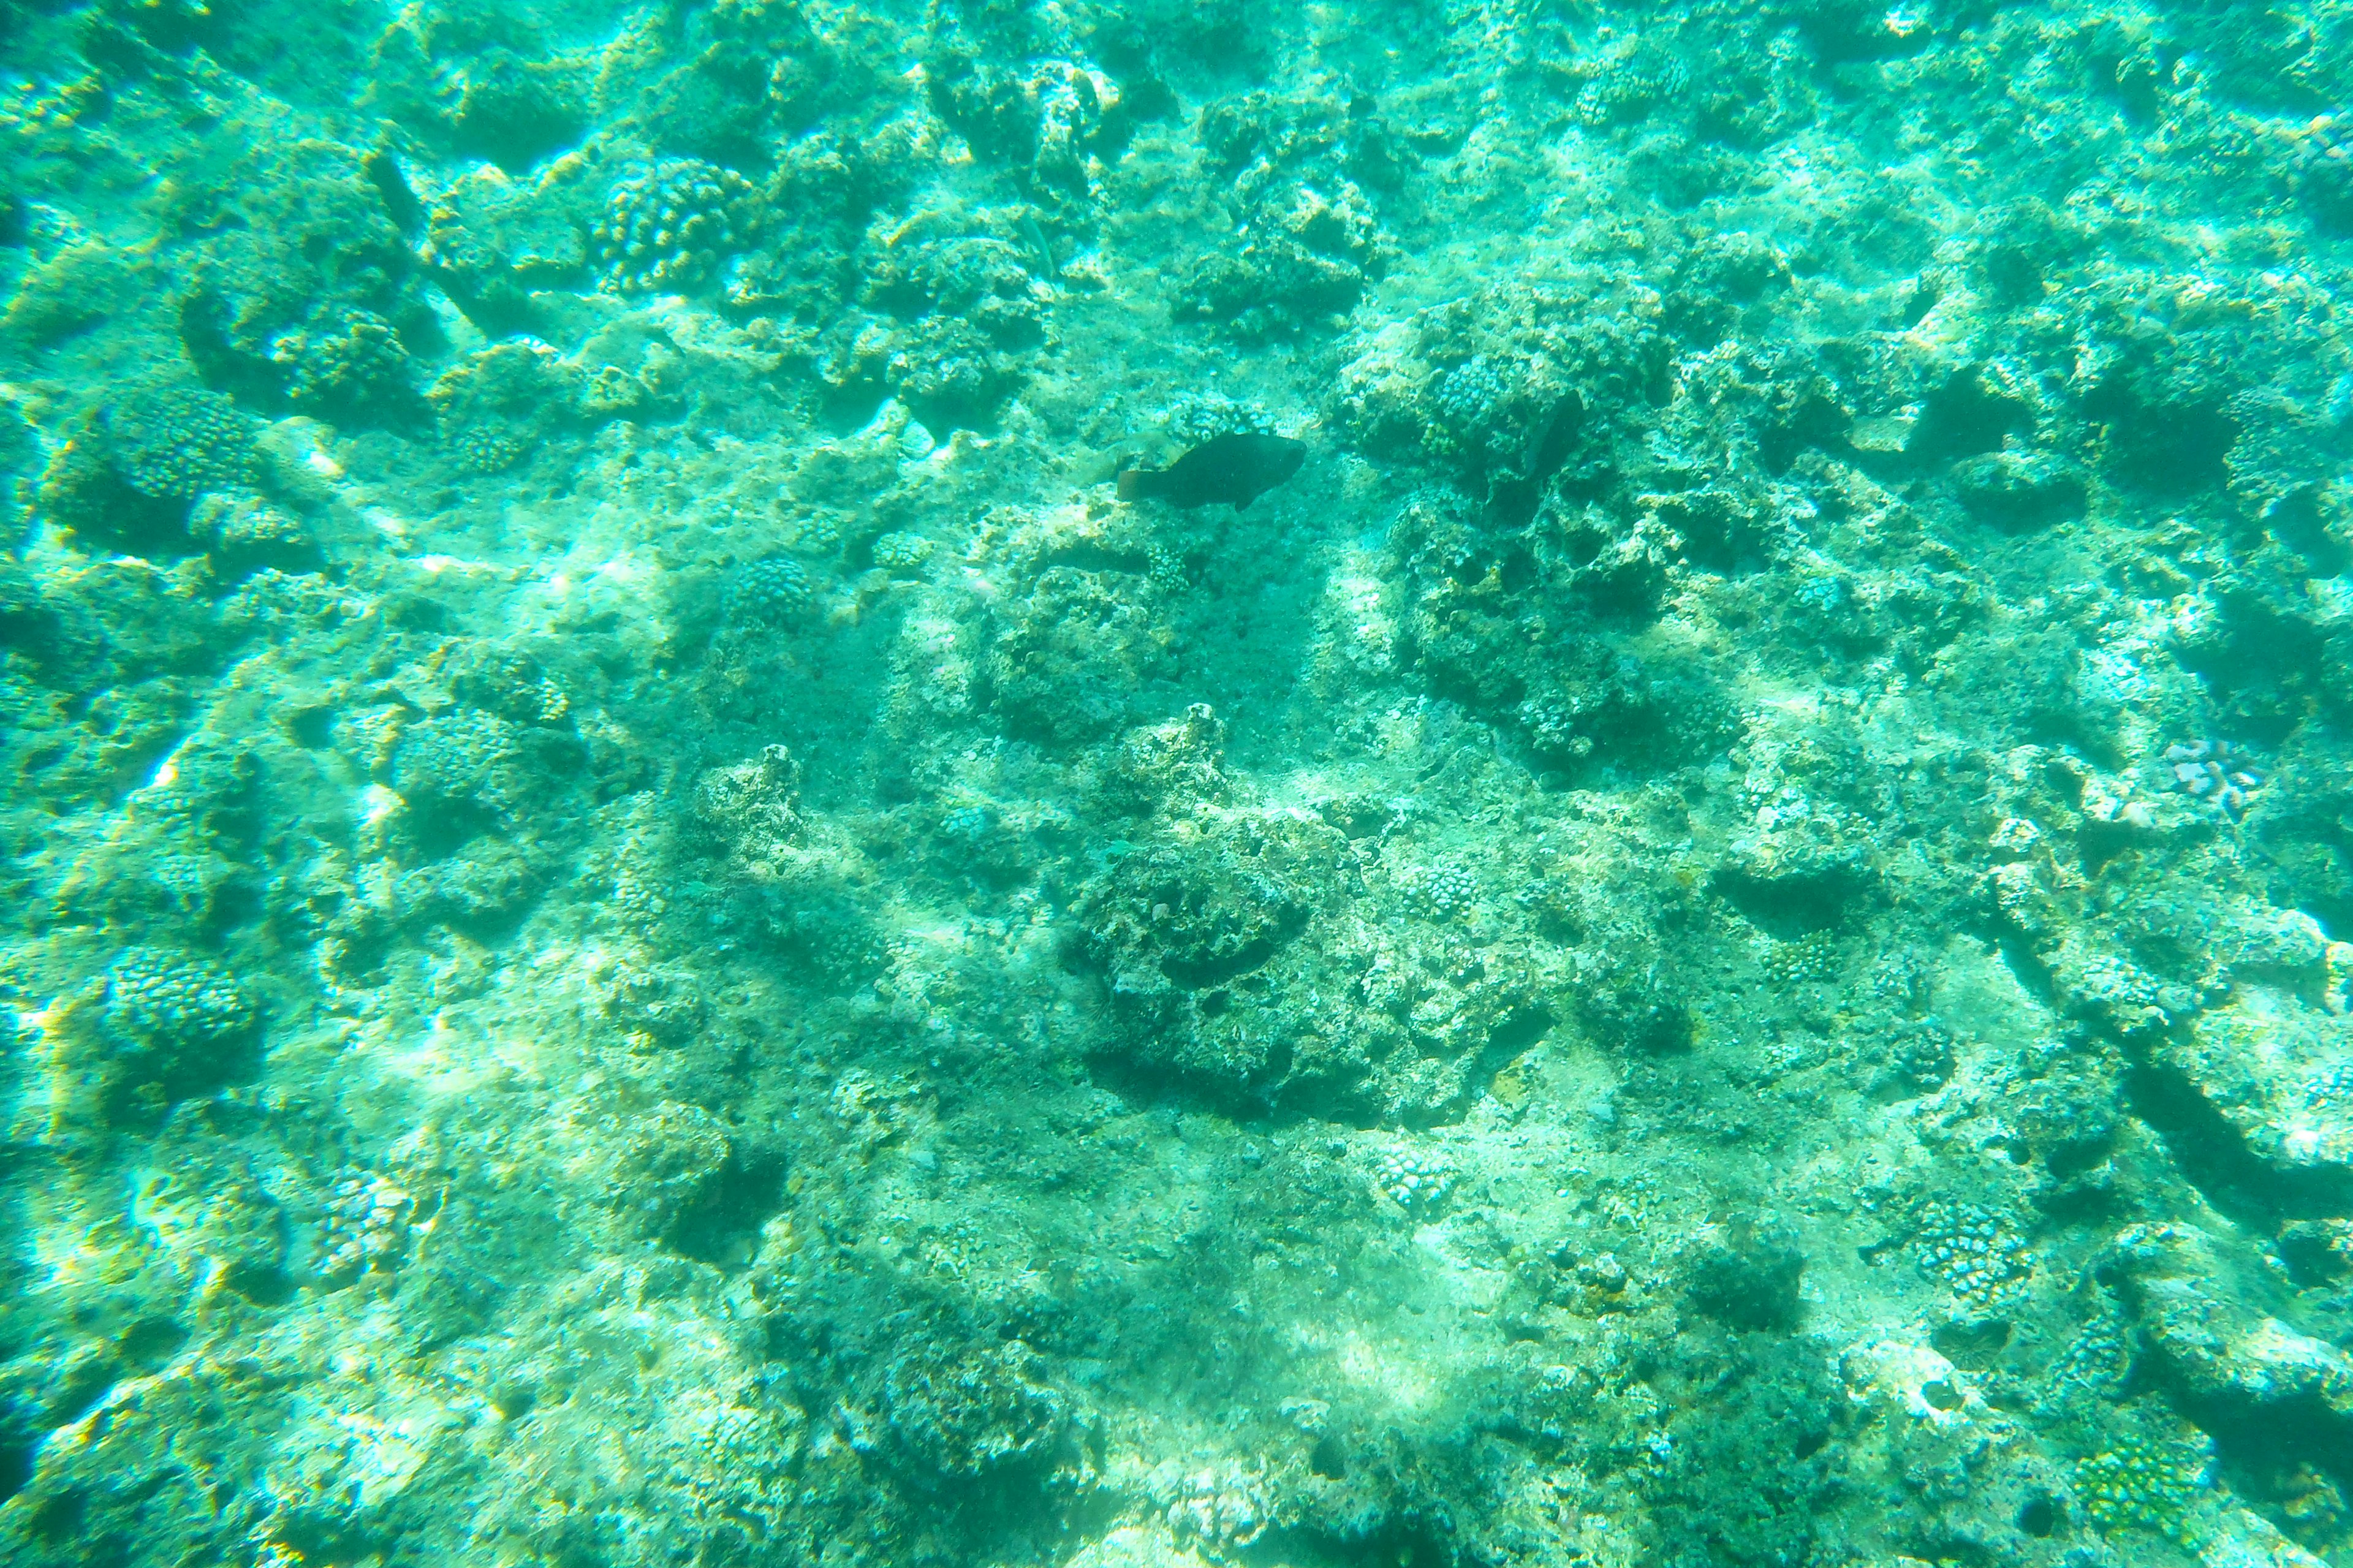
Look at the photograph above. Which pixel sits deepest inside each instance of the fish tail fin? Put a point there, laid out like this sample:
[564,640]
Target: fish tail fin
[1135,483]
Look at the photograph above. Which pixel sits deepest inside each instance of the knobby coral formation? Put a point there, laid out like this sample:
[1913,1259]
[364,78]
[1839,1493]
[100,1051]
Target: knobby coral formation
[672,227]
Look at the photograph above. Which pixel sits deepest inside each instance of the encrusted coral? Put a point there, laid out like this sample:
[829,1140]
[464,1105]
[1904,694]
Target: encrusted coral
[2330,1088]
[1631,86]
[347,361]
[2100,1356]
[496,405]
[1523,621]
[2141,1484]
[487,449]
[974,1412]
[1974,1251]
[673,226]
[900,551]
[765,593]
[2219,773]
[1413,1178]
[1198,416]
[158,996]
[1221,1508]
[463,756]
[366,1227]
[967,823]
[177,442]
[247,528]
[1811,957]
[1306,181]
[1447,890]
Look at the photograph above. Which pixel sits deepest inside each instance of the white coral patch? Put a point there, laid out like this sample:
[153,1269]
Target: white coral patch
[1911,1378]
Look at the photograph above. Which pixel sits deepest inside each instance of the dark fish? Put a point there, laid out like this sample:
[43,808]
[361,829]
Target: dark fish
[1236,468]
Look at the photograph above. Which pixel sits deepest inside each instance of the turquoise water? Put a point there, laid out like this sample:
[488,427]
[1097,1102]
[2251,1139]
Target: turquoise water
[1145,786]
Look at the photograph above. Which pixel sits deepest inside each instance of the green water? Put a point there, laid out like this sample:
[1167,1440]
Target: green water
[1153,785]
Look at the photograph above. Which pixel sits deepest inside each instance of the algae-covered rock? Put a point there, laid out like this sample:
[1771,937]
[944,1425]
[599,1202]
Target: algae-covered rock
[1238,963]
[1176,923]
[313,233]
[789,884]
[1747,1469]
[983,1411]
[958,326]
[1135,1546]
[1746,1275]
[1079,655]
[2214,1345]
[673,1168]
[1542,622]
[2274,1071]
[1509,384]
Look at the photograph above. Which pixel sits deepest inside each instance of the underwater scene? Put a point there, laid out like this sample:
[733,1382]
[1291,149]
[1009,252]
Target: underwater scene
[1175,784]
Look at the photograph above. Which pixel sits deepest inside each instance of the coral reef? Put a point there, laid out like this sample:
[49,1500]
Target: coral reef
[344,363]
[1155,785]
[177,443]
[900,551]
[766,592]
[1413,1178]
[179,1002]
[673,226]
[983,1411]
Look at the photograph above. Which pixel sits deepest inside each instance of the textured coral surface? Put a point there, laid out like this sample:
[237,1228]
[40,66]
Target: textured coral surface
[643,925]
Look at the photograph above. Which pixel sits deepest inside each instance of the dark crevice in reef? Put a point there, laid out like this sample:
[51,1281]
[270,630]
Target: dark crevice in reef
[2210,1153]
[2269,1448]
[2216,1159]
